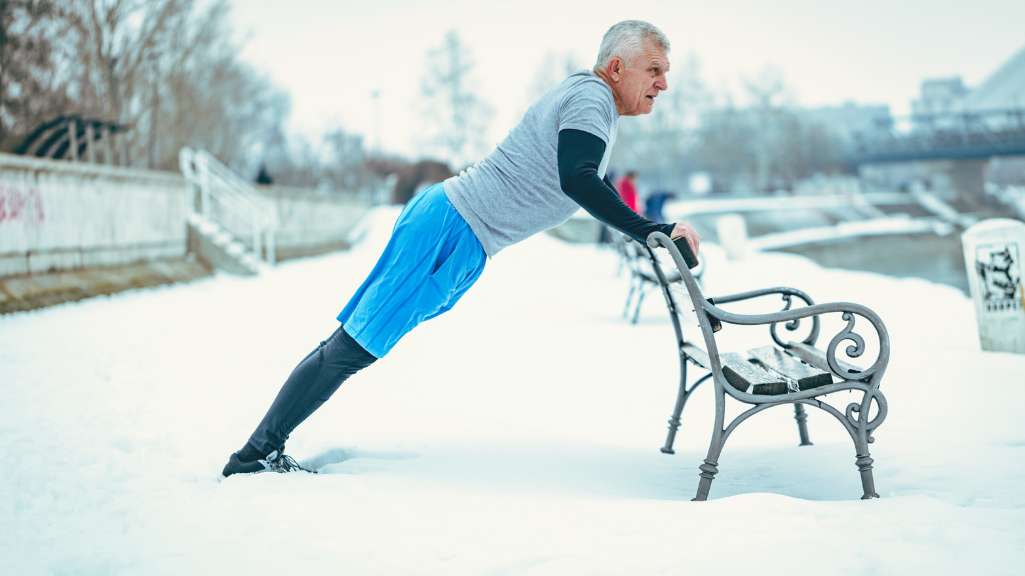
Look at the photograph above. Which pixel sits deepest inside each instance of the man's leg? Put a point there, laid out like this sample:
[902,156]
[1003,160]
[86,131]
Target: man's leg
[312,382]
[309,385]
[431,260]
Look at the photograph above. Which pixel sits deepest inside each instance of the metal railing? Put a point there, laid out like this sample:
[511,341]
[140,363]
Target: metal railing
[231,202]
[967,134]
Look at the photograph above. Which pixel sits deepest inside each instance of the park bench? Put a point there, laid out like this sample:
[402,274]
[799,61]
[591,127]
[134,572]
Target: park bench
[779,373]
[632,257]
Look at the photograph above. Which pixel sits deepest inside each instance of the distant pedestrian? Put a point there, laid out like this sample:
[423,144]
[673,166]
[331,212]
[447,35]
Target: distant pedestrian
[627,188]
[654,204]
[262,177]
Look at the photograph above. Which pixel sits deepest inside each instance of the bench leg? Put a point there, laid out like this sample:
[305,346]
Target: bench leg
[674,425]
[681,400]
[864,463]
[708,469]
[629,298]
[708,472]
[802,423]
[640,300]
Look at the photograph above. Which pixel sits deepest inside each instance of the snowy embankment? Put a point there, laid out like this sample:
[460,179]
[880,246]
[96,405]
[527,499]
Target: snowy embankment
[518,434]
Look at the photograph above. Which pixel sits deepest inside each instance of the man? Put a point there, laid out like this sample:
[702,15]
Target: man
[628,190]
[548,166]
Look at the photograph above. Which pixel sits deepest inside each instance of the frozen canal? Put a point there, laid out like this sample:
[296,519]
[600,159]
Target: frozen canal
[518,434]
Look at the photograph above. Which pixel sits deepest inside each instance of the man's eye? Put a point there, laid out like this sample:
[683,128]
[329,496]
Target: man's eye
[657,71]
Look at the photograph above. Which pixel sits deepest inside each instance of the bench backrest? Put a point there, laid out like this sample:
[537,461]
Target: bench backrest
[693,291]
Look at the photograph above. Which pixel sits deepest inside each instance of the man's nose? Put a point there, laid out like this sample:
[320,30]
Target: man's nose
[660,82]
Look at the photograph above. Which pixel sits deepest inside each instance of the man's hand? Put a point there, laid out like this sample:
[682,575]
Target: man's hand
[685,230]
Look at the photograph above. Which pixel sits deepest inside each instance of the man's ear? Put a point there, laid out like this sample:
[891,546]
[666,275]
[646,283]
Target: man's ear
[615,68]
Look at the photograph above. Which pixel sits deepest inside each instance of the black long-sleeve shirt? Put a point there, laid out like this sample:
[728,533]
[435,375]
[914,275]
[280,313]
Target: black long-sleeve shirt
[580,154]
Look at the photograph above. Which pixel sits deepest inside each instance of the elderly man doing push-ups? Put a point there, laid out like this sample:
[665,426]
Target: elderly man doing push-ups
[549,165]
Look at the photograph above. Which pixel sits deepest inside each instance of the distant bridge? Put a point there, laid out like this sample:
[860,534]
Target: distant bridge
[955,136]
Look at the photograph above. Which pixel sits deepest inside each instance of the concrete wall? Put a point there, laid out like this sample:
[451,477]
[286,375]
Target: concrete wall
[58,215]
[311,222]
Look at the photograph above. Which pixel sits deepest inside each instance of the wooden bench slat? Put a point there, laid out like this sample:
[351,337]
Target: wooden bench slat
[697,355]
[768,372]
[747,376]
[816,357]
[789,368]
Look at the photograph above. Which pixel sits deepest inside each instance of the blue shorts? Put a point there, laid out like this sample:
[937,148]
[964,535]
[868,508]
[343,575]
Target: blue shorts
[432,258]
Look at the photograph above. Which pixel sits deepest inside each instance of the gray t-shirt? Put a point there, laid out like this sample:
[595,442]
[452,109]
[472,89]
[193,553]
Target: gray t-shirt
[514,192]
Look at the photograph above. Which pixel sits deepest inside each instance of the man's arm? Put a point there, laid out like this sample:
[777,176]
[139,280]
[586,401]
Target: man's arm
[579,155]
[606,178]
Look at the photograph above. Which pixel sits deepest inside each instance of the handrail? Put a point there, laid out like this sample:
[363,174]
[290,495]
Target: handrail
[217,183]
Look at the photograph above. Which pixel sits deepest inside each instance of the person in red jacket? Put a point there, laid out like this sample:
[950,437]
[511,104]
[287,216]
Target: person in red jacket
[628,190]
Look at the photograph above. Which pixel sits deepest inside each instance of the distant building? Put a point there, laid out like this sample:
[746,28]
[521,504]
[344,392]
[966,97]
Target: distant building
[941,96]
[1004,89]
[998,101]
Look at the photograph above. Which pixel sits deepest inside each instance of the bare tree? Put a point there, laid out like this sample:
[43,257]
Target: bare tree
[297,162]
[339,163]
[345,160]
[724,147]
[28,90]
[775,124]
[116,39]
[213,100]
[767,145]
[164,68]
[108,66]
[167,69]
[455,118]
[171,73]
[787,147]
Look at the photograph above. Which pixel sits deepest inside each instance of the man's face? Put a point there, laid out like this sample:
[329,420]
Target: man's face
[641,81]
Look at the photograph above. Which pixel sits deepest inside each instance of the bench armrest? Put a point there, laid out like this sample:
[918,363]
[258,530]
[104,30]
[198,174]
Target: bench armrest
[788,294]
[848,310]
[784,290]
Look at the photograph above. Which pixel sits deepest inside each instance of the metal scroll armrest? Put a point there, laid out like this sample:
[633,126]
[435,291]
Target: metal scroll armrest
[848,310]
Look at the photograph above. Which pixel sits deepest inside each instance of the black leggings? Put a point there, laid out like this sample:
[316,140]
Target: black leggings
[309,385]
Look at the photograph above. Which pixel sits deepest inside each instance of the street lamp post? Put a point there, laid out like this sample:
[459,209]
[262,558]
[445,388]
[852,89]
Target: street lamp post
[376,96]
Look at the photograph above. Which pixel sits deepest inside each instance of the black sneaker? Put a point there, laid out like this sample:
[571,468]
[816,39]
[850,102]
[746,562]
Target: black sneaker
[274,462]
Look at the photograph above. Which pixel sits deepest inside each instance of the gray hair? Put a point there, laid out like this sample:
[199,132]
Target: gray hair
[626,41]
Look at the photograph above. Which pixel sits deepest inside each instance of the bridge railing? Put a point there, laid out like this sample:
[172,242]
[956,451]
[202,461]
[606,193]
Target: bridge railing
[955,135]
[231,202]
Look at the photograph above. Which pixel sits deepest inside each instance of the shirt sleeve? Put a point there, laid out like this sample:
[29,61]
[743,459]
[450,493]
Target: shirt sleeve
[579,154]
[589,108]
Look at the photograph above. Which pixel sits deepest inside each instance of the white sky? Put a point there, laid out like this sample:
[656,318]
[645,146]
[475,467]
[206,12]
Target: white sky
[330,55]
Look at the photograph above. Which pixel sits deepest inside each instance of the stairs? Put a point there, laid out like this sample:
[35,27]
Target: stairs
[230,227]
[219,248]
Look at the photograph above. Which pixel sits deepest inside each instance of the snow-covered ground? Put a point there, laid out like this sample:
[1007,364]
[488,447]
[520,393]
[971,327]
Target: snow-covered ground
[518,434]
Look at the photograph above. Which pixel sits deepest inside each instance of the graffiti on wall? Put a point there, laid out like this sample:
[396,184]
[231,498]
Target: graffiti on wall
[17,205]
[999,273]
